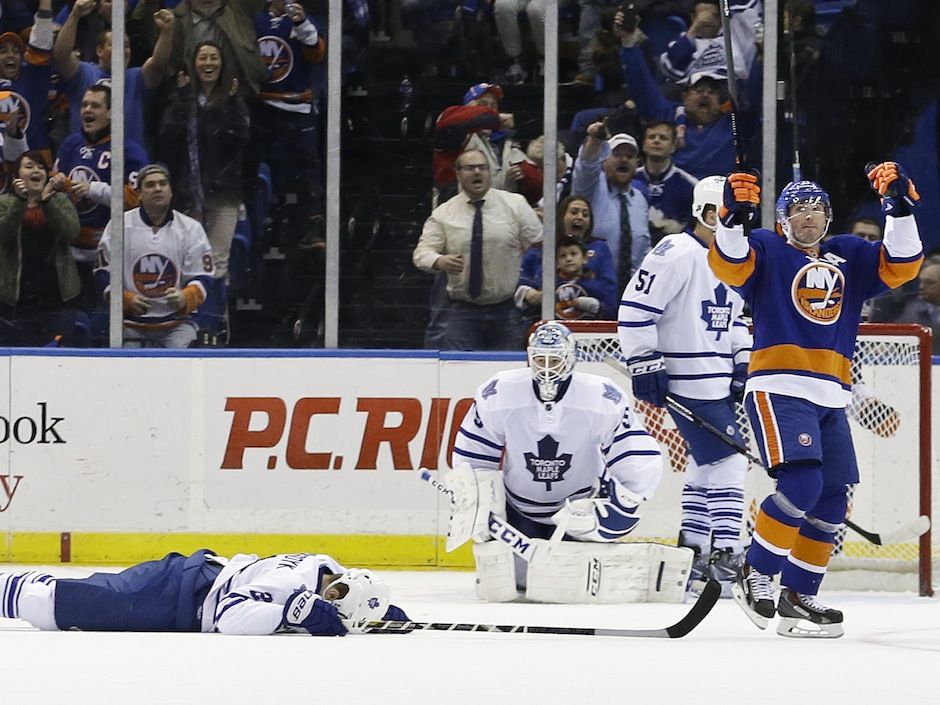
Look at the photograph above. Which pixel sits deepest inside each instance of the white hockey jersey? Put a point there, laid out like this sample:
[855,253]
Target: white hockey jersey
[675,305]
[249,594]
[551,452]
[176,255]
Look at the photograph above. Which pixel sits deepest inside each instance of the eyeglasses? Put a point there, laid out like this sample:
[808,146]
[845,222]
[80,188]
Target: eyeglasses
[474,167]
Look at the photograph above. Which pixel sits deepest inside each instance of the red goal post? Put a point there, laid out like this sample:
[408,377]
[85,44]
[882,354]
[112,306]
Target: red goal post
[890,416]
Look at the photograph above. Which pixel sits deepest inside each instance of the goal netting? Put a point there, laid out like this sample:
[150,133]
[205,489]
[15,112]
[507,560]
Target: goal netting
[890,420]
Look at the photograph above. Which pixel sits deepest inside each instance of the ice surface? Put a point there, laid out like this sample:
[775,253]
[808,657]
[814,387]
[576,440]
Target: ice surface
[890,654]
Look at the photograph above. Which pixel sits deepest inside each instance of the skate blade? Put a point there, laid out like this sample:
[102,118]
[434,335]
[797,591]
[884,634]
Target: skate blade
[795,627]
[760,621]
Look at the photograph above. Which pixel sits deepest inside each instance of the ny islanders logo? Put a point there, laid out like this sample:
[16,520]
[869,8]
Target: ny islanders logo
[277,56]
[717,313]
[84,173]
[817,292]
[154,274]
[12,103]
[546,465]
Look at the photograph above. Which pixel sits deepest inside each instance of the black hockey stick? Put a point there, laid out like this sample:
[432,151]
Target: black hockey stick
[699,610]
[914,529]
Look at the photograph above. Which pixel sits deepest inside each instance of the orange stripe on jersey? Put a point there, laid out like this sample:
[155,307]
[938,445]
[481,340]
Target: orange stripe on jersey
[793,357]
[768,429]
[896,273]
[731,273]
[775,532]
[812,551]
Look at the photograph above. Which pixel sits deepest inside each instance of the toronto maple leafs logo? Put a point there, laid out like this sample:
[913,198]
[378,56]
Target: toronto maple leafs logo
[663,247]
[489,390]
[717,313]
[546,465]
[612,393]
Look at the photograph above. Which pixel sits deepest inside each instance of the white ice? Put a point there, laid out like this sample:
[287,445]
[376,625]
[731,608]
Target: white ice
[889,654]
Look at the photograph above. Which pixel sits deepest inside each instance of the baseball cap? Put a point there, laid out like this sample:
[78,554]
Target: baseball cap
[622,138]
[13,37]
[479,89]
[151,169]
[712,74]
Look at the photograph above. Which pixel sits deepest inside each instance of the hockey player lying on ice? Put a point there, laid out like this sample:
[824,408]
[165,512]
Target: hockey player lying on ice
[305,593]
[546,449]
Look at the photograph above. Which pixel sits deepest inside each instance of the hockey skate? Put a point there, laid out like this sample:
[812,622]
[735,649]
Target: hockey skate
[698,575]
[723,566]
[754,593]
[802,616]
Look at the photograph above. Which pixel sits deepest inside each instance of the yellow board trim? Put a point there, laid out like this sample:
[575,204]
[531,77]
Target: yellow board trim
[374,551]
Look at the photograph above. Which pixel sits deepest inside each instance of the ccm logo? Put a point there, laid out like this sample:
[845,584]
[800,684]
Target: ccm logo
[263,422]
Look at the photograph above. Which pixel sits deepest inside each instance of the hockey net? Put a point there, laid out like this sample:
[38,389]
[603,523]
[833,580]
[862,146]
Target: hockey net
[890,420]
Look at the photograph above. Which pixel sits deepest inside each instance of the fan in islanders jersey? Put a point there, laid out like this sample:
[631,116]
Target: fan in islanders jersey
[681,331]
[306,593]
[806,296]
[546,453]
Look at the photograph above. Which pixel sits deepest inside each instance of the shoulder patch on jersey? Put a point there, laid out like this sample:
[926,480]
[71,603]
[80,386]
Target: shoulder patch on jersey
[717,313]
[817,291]
[662,248]
[489,390]
[546,465]
[612,393]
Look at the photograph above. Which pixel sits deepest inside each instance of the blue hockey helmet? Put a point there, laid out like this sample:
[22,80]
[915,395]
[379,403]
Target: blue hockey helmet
[552,353]
[797,193]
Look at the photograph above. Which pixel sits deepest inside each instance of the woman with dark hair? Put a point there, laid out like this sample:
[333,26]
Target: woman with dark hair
[39,282]
[203,136]
[598,281]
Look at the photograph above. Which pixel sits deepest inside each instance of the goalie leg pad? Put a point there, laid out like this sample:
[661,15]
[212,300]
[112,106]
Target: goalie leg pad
[495,572]
[477,493]
[611,573]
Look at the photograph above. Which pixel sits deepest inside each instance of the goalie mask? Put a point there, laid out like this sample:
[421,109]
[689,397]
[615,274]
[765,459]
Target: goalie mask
[552,352]
[359,596]
[804,194]
[709,191]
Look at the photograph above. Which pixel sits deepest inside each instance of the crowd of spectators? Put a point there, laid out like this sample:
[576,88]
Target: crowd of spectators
[222,93]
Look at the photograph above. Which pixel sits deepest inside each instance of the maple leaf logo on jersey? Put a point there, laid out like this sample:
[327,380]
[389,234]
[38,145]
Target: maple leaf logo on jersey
[662,248]
[546,465]
[610,392]
[489,390]
[717,313]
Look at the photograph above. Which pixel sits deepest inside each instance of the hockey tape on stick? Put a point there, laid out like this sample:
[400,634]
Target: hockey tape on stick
[699,610]
[911,530]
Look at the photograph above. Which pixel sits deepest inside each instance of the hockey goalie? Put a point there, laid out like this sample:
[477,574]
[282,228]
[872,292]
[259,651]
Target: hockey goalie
[551,470]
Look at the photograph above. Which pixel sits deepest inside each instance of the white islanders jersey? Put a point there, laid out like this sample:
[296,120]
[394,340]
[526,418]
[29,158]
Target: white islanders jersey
[249,594]
[675,305]
[552,452]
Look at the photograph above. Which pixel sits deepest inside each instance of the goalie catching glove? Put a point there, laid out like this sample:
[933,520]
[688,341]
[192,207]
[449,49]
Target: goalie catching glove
[611,515]
[898,193]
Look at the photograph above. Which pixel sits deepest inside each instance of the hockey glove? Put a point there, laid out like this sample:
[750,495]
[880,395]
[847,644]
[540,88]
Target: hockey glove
[650,379]
[738,380]
[306,611]
[741,198]
[611,515]
[898,193]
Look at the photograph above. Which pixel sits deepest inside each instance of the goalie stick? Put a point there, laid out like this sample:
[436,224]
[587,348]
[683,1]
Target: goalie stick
[909,531]
[699,610]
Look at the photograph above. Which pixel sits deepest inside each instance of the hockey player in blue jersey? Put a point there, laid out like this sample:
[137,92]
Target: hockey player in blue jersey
[304,593]
[681,331]
[806,296]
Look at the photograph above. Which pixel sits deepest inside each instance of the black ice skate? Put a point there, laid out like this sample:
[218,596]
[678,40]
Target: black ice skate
[723,566]
[754,593]
[698,575]
[802,616]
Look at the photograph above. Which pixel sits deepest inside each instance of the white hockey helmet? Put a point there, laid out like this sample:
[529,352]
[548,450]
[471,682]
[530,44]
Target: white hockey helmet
[552,352]
[709,191]
[362,596]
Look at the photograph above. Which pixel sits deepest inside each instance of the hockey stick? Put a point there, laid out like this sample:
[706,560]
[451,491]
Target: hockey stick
[699,610]
[912,530]
[501,530]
